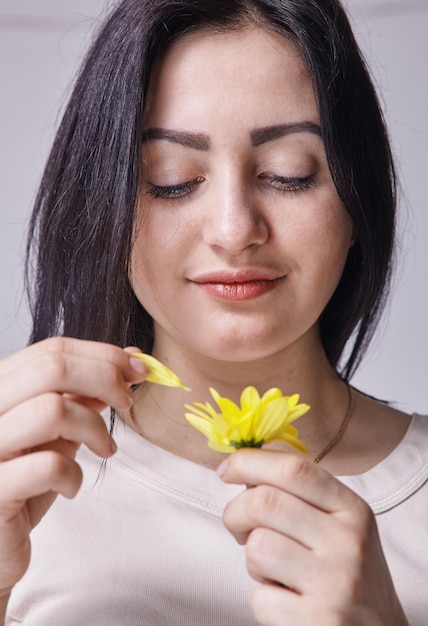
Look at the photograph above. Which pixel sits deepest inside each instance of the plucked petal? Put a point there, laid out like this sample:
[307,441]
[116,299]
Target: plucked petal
[158,372]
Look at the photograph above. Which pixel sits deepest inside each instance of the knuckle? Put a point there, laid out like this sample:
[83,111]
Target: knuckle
[54,464]
[54,367]
[258,545]
[113,375]
[53,407]
[263,501]
[356,545]
[56,344]
[294,466]
[360,523]
[363,515]
[61,474]
[112,353]
[48,411]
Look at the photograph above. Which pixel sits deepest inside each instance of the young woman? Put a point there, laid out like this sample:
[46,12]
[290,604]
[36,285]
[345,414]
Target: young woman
[221,195]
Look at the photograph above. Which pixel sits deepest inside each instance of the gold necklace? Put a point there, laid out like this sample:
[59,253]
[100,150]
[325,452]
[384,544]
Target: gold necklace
[331,444]
[136,424]
[139,429]
[343,426]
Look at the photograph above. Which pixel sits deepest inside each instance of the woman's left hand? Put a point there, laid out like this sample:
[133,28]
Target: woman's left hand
[311,542]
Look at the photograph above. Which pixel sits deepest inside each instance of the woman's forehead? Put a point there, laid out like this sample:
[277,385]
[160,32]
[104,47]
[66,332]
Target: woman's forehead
[249,72]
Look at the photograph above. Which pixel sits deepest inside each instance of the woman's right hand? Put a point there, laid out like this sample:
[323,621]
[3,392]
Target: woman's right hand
[51,396]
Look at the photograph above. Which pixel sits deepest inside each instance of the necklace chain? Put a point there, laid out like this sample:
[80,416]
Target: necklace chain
[342,428]
[331,444]
[136,424]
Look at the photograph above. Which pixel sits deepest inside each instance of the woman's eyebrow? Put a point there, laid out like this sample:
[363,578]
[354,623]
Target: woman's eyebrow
[198,141]
[270,133]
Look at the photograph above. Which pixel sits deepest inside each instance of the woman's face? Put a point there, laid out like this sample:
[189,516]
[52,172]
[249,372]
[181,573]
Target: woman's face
[242,238]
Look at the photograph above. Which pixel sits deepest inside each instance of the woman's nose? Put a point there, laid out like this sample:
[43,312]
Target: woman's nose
[234,222]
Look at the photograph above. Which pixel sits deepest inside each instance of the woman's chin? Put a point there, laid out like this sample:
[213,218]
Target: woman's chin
[234,351]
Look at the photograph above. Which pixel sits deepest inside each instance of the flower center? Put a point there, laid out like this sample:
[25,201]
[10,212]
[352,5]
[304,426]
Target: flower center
[247,443]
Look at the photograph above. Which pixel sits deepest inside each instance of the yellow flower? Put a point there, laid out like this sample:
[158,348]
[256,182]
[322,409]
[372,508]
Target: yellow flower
[158,372]
[256,422]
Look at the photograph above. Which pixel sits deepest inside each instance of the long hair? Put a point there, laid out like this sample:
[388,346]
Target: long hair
[81,231]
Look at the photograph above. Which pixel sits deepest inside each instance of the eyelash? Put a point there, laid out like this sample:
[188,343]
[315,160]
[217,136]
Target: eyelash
[171,192]
[283,184]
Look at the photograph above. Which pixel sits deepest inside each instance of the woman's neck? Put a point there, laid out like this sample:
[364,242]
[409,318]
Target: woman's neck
[159,411]
[373,431]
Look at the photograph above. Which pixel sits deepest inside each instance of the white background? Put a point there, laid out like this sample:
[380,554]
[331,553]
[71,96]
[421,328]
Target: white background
[41,44]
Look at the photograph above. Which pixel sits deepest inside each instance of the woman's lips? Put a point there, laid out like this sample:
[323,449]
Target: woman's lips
[239,286]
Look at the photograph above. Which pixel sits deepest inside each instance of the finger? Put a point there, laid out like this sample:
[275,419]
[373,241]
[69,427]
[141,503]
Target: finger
[36,474]
[90,403]
[293,473]
[133,372]
[49,417]
[274,557]
[270,507]
[104,380]
[273,605]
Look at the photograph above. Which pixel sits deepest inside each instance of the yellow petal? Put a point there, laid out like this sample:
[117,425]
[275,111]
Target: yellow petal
[221,426]
[250,399]
[200,412]
[294,442]
[158,372]
[242,429]
[205,408]
[215,394]
[221,447]
[273,418]
[298,411]
[255,422]
[271,394]
[204,425]
[230,410]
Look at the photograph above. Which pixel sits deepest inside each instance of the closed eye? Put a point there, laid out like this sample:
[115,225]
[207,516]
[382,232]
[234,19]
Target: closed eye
[289,184]
[174,191]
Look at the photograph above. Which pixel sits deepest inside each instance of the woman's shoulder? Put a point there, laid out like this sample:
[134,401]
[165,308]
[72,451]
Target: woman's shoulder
[403,472]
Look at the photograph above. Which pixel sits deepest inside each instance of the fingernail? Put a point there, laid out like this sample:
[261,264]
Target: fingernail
[221,470]
[138,366]
[113,446]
